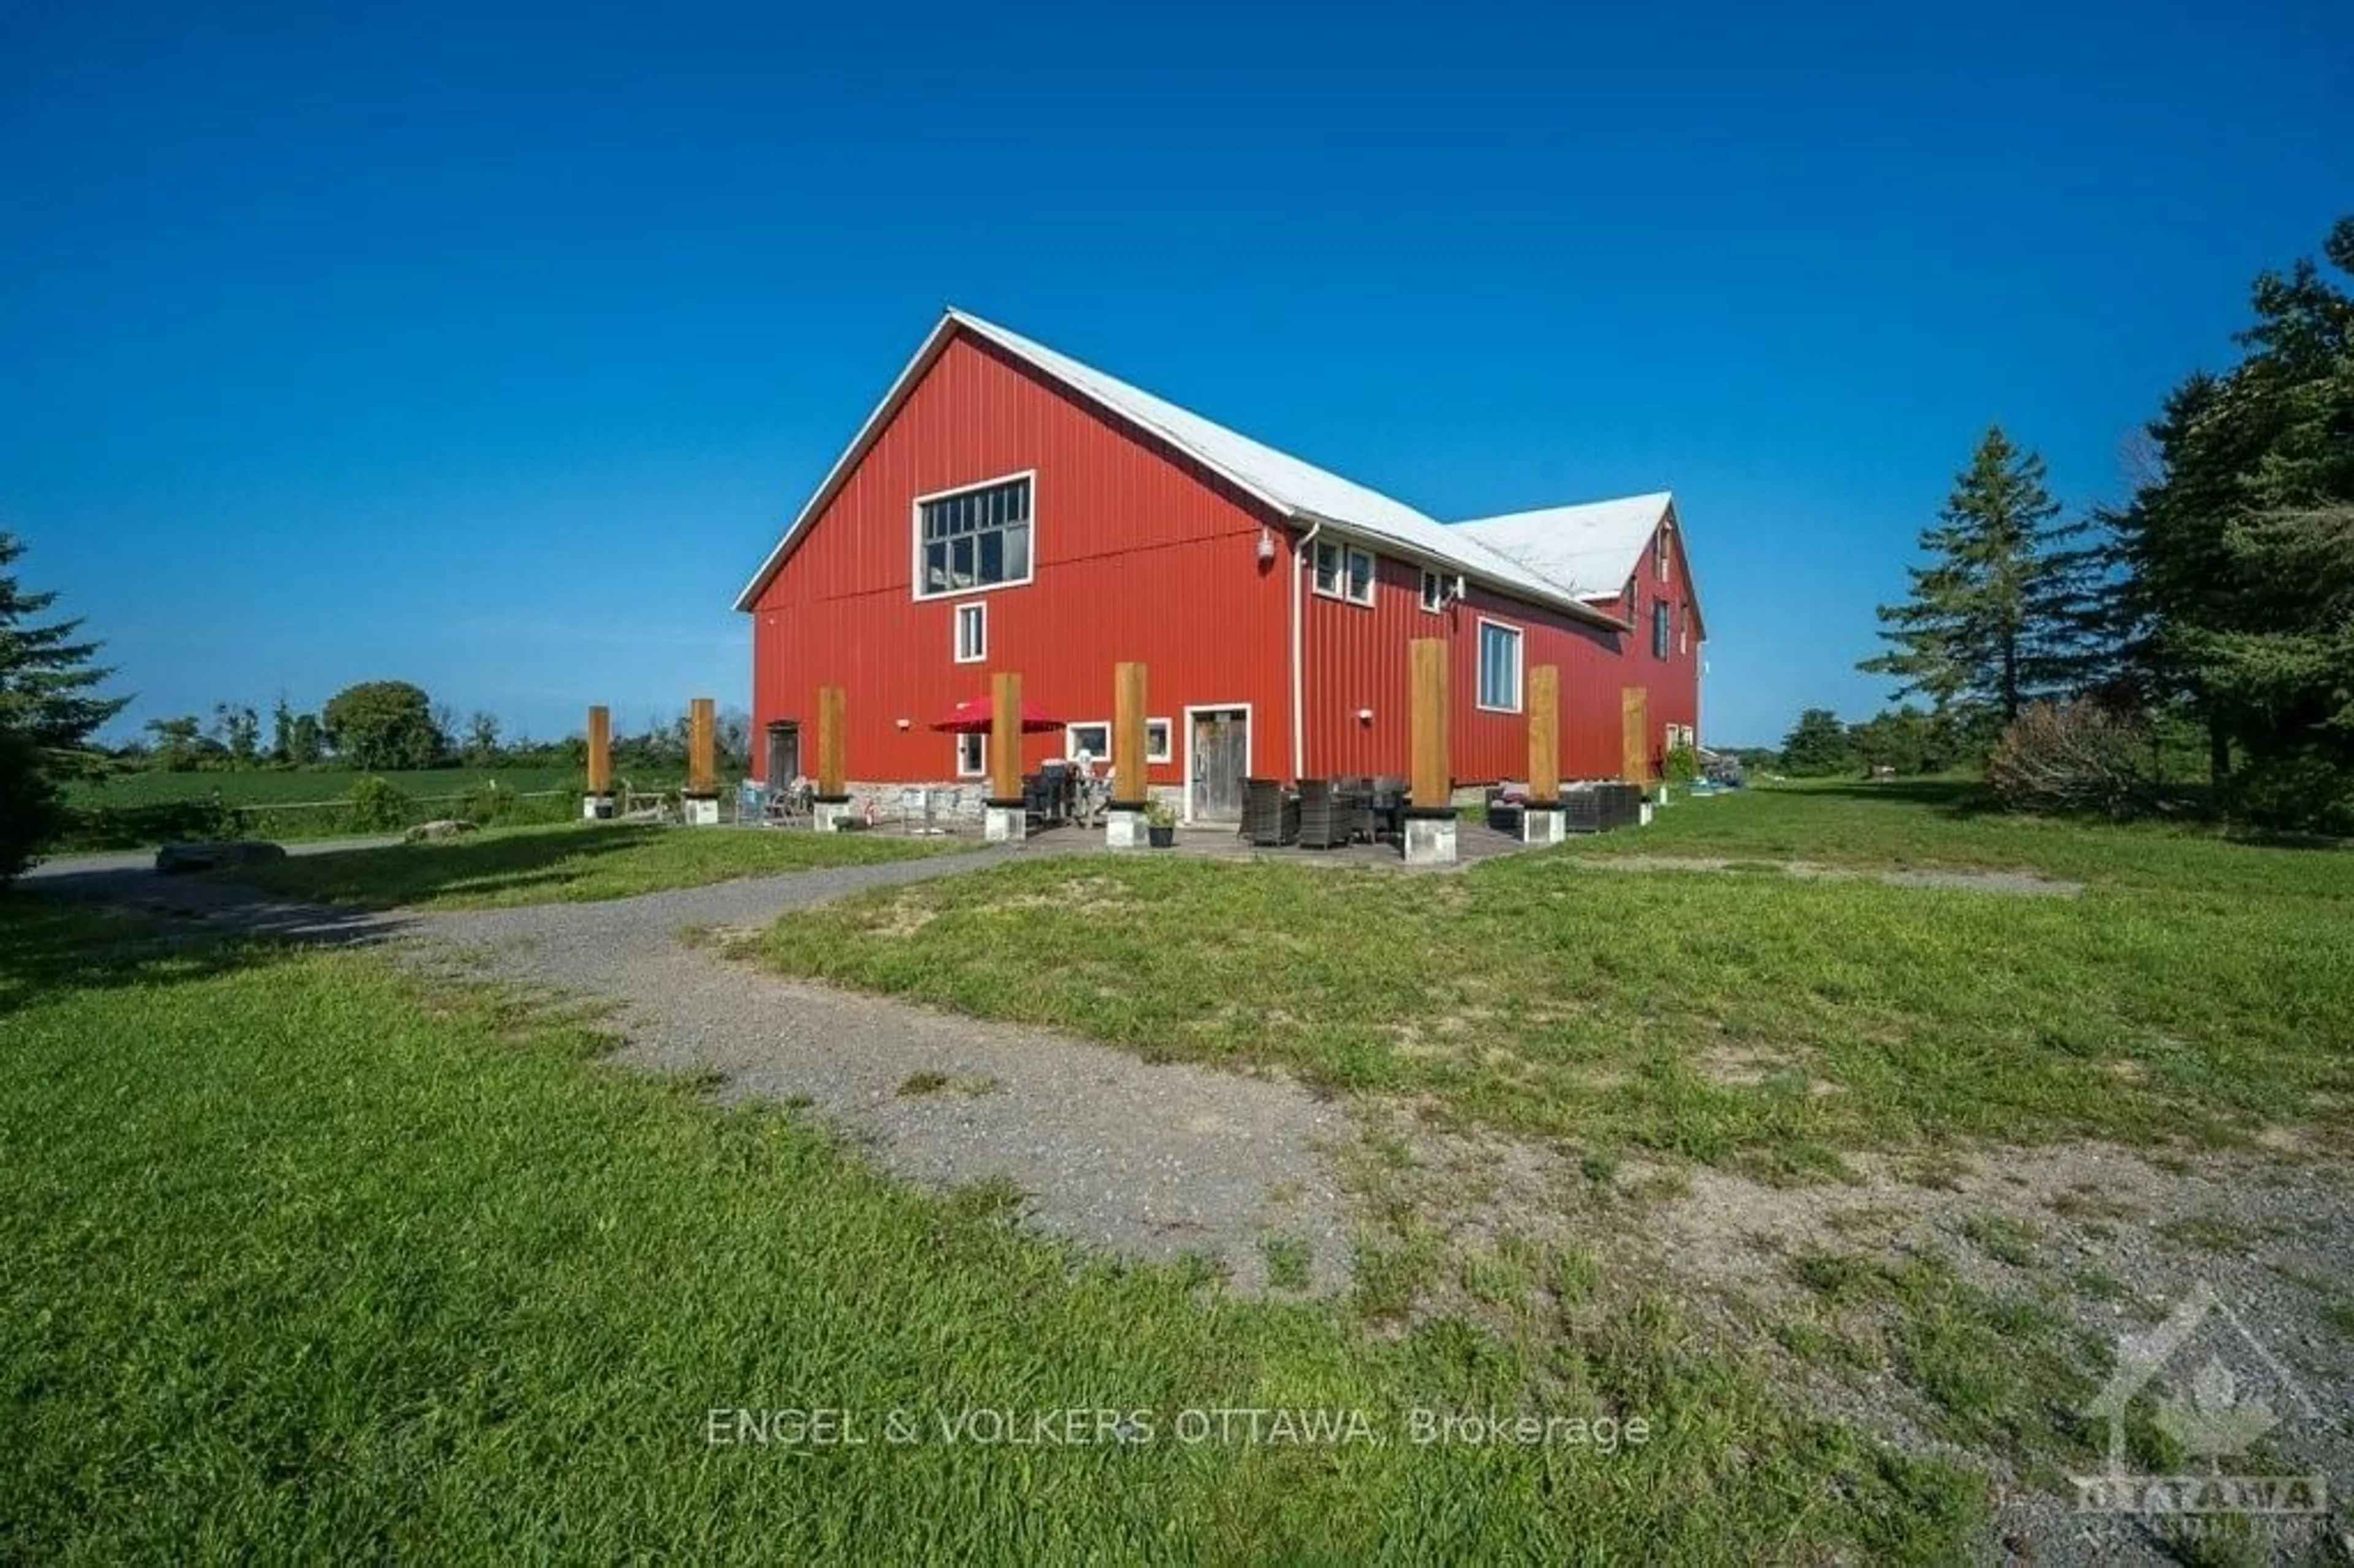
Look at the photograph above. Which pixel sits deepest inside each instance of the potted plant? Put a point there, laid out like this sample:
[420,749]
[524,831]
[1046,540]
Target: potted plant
[1160,825]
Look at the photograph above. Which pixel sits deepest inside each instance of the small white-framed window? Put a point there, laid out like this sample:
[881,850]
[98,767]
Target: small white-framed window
[1659,628]
[1659,551]
[1683,629]
[971,633]
[1500,667]
[972,756]
[1343,571]
[1433,592]
[1094,738]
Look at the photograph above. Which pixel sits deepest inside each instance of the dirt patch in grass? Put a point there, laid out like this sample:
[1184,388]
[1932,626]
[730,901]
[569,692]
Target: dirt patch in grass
[2025,883]
[1965,1306]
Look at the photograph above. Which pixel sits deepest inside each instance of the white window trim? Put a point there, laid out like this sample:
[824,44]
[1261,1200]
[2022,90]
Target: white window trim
[1659,549]
[956,633]
[1349,554]
[1250,740]
[1520,666]
[1168,752]
[983,770]
[1428,578]
[915,537]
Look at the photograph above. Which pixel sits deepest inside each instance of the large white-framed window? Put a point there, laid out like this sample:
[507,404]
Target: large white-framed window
[971,632]
[1345,572]
[1500,667]
[1434,591]
[1094,738]
[974,538]
[972,756]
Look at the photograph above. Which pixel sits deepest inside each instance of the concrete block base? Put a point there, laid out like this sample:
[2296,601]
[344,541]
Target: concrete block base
[701,810]
[1124,827]
[830,816]
[1542,825]
[1430,840]
[1004,824]
[596,807]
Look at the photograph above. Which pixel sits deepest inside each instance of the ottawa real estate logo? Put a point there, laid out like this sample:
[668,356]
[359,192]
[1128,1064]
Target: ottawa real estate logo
[2210,1391]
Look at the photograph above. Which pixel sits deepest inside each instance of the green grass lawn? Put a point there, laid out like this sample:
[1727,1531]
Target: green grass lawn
[2198,989]
[304,1261]
[574,863]
[1932,824]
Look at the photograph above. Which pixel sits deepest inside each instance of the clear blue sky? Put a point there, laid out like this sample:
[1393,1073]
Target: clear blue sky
[489,348]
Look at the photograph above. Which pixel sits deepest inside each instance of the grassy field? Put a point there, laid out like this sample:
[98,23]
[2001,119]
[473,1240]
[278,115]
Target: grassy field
[2197,990]
[305,1261]
[573,862]
[285,785]
[139,810]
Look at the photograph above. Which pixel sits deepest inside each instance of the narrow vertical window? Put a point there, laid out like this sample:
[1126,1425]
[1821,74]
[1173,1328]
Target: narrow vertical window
[971,633]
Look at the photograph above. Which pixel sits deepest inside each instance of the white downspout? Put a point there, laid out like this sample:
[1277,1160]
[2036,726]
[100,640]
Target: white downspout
[1298,724]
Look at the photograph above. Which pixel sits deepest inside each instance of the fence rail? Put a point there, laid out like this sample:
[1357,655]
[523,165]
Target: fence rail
[343,802]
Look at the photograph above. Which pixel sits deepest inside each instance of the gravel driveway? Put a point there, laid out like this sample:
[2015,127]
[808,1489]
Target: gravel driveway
[1152,1161]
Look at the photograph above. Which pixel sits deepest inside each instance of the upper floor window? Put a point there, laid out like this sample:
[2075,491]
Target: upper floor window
[1433,592]
[1500,667]
[974,538]
[1660,633]
[1659,551]
[1343,571]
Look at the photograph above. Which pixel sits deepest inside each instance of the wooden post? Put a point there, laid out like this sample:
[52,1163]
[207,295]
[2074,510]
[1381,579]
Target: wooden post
[1635,734]
[1128,734]
[1433,780]
[833,780]
[1005,736]
[600,751]
[702,749]
[1544,734]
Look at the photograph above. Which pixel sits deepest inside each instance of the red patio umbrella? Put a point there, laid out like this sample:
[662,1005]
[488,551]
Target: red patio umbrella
[974,716]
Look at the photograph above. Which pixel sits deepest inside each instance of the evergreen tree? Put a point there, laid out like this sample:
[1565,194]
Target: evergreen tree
[2238,593]
[48,712]
[47,684]
[1818,744]
[2010,606]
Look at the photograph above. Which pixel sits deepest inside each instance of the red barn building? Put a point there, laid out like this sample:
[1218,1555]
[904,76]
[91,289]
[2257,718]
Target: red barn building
[1008,508]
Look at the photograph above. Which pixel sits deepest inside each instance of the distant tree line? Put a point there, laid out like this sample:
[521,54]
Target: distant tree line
[386,726]
[2068,655]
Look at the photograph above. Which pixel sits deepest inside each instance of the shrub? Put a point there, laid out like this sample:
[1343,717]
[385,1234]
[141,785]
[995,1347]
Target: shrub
[1680,765]
[31,814]
[487,804]
[2071,756]
[2300,791]
[377,804]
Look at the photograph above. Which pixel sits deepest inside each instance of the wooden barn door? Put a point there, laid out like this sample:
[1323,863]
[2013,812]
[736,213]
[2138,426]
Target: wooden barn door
[784,753]
[1221,755]
[1635,734]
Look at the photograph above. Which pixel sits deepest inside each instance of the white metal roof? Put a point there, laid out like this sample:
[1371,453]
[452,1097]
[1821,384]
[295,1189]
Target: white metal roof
[1591,549]
[1299,489]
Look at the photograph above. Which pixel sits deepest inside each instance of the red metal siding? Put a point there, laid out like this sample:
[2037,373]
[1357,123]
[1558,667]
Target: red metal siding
[1138,554]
